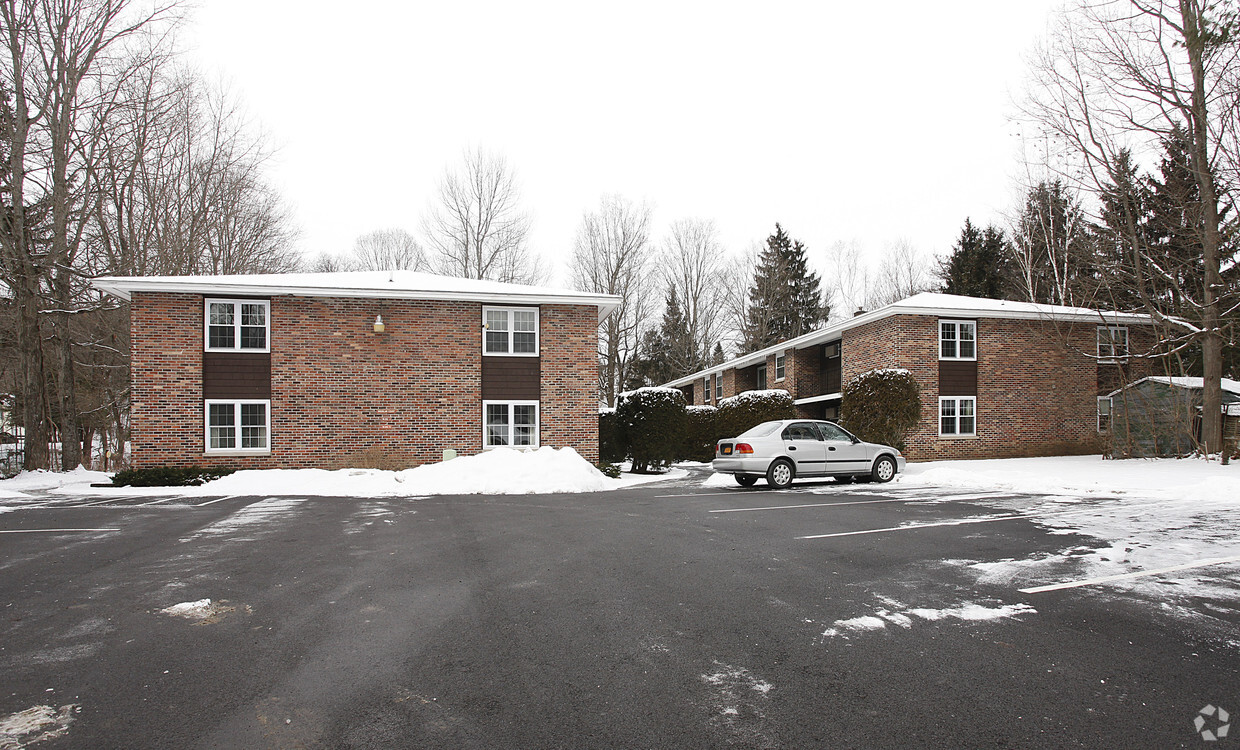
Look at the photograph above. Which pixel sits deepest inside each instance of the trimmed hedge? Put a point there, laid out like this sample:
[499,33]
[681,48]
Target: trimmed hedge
[701,434]
[168,476]
[882,406]
[611,447]
[745,410]
[651,426]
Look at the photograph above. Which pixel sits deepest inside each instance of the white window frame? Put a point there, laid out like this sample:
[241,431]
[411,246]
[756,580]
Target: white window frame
[781,366]
[718,386]
[508,311]
[510,404]
[1114,356]
[236,303]
[236,450]
[1109,415]
[958,323]
[707,391]
[956,417]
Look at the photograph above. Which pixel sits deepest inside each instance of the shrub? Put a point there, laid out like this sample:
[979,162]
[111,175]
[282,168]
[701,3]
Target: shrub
[744,410]
[651,426]
[609,469]
[701,434]
[610,447]
[168,476]
[882,406]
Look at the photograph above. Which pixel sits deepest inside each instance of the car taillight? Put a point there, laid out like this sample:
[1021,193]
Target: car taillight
[744,448]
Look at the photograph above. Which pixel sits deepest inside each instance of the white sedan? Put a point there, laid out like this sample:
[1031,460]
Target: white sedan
[789,448]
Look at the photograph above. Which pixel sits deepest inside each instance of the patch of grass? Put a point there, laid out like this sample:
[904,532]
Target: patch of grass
[169,476]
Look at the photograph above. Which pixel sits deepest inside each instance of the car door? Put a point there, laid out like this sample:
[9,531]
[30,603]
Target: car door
[804,446]
[843,456]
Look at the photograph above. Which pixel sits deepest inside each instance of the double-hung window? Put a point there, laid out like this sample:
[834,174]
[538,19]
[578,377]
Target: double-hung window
[1104,414]
[706,389]
[510,423]
[238,426]
[958,415]
[780,362]
[957,339]
[510,331]
[1112,343]
[718,386]
[238,325]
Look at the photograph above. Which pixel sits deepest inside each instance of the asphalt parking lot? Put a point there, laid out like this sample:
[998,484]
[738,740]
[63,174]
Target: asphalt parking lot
[670,615]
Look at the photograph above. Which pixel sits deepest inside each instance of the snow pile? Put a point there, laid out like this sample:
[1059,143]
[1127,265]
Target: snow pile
[1169,478]
[35,724]
[502,471]
[968,612]
[41,481]
[199,610]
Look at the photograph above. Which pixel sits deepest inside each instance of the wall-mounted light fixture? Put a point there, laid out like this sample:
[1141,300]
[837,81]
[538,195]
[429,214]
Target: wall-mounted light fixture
[379,324]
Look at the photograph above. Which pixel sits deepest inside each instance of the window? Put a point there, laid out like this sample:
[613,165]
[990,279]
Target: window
[957,339]
[1104,414]
[779,366]
[718,386]
[510,423]
[801,431]
[1112,343]
[760,378]
[238,426]
[706,389]
[958,415]
[511,331]
[833,432]
[237,325]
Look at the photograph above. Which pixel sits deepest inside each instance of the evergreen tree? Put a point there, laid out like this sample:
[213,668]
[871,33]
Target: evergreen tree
[1123,237]
[785,299]
[717,357]
[980,264]
[669,352]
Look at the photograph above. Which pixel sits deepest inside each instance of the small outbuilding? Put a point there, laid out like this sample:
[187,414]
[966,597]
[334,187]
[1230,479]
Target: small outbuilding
[1161,416]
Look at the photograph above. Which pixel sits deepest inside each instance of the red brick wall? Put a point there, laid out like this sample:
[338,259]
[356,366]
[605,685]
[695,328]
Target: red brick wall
[1036,384]
[343,395]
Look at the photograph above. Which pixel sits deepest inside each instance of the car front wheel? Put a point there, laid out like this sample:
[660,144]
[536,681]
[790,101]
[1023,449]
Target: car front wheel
[746,480]
[884,469]
[780,474]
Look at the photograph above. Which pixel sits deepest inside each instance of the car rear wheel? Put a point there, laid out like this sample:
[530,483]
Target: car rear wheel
[746,480]
[884,469]
[780,473]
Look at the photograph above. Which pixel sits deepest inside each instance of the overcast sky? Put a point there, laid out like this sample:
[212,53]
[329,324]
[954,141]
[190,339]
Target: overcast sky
[860,122]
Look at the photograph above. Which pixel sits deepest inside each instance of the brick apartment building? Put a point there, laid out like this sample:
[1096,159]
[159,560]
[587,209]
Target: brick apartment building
[997,378]
[326,370]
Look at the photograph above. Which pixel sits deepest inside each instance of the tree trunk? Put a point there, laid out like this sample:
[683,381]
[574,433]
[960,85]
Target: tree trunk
[33,383]
[70,434]
[1212,340]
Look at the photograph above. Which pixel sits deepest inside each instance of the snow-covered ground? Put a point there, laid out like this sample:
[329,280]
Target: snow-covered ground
[500,472]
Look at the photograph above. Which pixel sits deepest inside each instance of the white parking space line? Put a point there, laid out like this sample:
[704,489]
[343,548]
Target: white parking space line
[1126,576]
[914,526]
[49,531]
[808,505]
[216,500]
[730,492]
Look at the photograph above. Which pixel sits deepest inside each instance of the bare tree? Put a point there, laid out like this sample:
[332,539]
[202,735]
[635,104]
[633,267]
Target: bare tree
[693,262]
[1121,76]
[849,286]
[612,255]
[476,229]
[736,276]
[389,250]
[901,273]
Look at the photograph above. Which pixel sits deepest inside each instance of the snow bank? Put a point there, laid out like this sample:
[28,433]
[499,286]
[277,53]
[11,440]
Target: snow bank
[1163,478]
[502,471]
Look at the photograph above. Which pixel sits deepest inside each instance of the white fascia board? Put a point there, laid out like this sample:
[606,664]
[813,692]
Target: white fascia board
[606,303]
[816,399]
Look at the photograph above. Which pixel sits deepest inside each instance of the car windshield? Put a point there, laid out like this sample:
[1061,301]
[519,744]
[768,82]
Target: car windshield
[762,430]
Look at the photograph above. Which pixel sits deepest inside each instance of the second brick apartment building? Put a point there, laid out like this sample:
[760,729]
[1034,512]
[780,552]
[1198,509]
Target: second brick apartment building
[997,378]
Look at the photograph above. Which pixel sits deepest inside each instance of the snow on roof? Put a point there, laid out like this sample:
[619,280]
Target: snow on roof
[936,304]
[1229,386]
[380,284]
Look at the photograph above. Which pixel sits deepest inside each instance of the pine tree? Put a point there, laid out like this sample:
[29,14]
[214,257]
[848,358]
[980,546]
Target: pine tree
[980,264]
[669,352]
[785,300]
